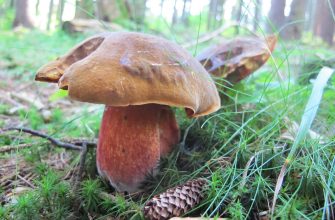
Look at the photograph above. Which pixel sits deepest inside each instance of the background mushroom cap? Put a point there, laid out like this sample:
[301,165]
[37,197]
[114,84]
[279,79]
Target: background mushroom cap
[133,69]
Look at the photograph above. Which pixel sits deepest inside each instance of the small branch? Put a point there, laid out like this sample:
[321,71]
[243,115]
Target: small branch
[7,148]
[54,141]
[82,163]
[26,181]
[79,176]
[80,142]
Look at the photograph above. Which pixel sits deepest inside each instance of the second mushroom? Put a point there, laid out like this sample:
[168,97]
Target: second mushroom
[138,77]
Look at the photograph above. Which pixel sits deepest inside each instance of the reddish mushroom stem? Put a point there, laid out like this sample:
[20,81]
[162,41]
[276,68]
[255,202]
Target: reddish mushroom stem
[131,141]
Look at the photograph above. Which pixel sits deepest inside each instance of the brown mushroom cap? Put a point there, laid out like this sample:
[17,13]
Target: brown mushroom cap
[128,68]
[237,58]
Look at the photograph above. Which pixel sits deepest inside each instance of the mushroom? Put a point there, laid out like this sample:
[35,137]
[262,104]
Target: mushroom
[237,58]
[138,77]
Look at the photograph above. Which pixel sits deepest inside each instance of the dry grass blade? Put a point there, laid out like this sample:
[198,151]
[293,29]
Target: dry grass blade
[306,122]
[246,169]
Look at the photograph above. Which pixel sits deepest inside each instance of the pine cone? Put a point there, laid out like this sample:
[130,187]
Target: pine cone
[175,201]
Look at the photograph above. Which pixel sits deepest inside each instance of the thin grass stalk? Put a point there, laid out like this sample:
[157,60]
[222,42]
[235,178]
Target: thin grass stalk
[306,122]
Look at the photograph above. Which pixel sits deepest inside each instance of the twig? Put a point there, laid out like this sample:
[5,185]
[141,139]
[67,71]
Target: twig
[81,163]
[79,176]
[69,174]
[54,141]
[81,141]
[26,181]
[7,148]
[11,176]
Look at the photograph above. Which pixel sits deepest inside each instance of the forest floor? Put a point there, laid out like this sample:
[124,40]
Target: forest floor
[240,150]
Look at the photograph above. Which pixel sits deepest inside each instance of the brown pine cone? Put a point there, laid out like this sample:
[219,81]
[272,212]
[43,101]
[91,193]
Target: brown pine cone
[175,201]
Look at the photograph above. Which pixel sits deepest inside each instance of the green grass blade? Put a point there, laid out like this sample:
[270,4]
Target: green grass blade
[306,122]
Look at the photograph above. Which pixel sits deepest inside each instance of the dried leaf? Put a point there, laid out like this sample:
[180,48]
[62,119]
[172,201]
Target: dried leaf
[237,58]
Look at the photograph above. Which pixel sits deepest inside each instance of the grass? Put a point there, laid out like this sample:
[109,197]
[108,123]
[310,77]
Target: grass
[240,149]
[306,122]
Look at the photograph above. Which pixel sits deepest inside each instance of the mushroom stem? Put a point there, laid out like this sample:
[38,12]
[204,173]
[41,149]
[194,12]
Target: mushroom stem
[131,141]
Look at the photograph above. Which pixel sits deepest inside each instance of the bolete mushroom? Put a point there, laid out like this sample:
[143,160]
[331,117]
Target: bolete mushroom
[237,58]
[137,76]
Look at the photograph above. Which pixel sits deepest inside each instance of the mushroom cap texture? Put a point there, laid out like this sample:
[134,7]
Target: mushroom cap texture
[128,68]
